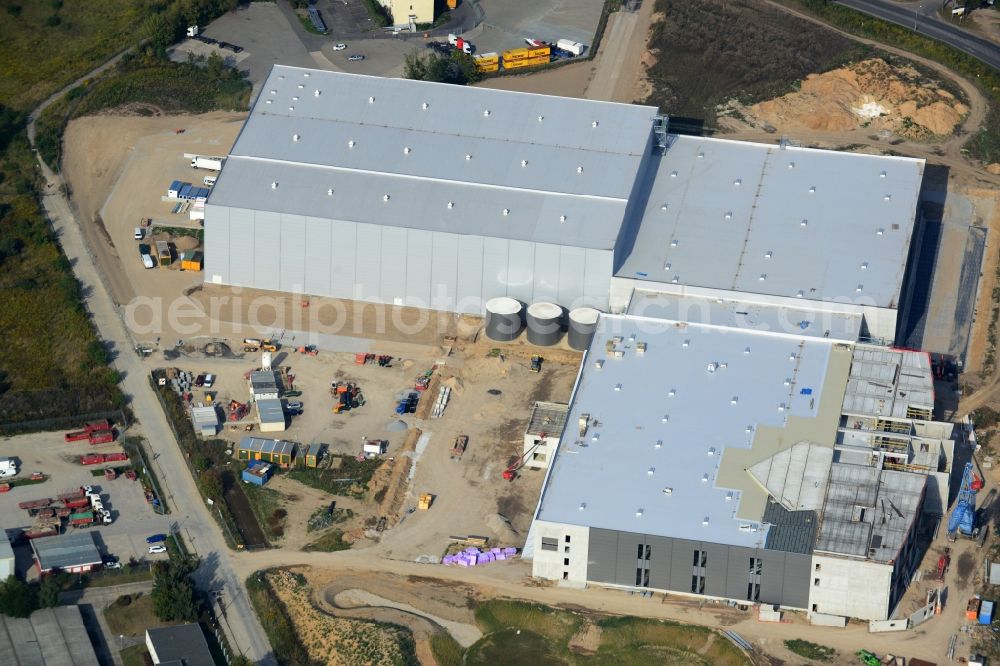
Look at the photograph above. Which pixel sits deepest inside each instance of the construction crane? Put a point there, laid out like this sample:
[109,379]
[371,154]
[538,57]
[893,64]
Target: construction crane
[510,473]
[963,516]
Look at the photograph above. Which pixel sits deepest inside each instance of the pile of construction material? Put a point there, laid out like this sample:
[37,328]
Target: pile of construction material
[442,401]
[472,556]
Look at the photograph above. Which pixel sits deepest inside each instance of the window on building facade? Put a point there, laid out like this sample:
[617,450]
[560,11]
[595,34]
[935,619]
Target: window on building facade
[550,543]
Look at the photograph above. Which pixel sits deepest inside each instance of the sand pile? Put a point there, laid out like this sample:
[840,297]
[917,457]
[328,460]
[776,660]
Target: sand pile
[868,94]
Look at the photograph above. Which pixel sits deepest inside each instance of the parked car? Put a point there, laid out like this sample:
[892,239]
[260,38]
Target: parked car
[356,57]
[339,47]
[156,538]
[153,550]
[111,564]
[209,380]
[199,381]
[138,234]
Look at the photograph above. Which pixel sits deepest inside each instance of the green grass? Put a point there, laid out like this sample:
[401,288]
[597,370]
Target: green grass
[123,576]
[267,507]
[176,232]
[136,655]
[809,650]
[514,646]
[329,542]
[446,650]
[273,617]
[308,26]
[27,481]
[131,615]
[340,481]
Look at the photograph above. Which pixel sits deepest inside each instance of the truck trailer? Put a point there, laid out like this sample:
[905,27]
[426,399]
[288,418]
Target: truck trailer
[206,162]
[568,45]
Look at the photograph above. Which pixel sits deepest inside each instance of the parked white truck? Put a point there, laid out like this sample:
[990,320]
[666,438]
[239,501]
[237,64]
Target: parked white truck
[7,467]
[576,48]
[206,162]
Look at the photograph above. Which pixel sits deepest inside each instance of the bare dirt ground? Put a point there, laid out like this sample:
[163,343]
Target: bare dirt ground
[987,22]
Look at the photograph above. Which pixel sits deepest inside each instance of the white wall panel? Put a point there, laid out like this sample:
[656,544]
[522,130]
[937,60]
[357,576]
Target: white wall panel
[241,247]
[572,265]
[293,253]
[419,254]
[495,254]
[392,282]
[444,271]
[521,271]
[217,245]
[368,267]
[596,279]
[318,252]
[343,257]
[267,250]
[470,274]
[546,287]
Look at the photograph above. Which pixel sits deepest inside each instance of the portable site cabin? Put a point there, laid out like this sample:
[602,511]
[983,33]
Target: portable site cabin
[263,385]
[163,253]
[174,190]
[374,447]
[258,473]
[205,420]
[191,261]
[314,452]
[275,451]
[270,415]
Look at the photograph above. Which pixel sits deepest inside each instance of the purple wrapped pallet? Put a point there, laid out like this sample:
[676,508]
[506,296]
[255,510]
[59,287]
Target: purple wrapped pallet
[461,563]
[472,550]
[501,557]
[494,550]
[510,551]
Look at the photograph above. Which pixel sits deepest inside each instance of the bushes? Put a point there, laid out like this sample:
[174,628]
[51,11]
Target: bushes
[378,13]
[274,617]
[456,67]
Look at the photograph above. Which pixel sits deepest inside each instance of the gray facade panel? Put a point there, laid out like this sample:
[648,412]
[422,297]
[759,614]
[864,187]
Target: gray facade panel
[319,235]
[596,288]
[217,246]
[546,273]
[661,554]
[602,557]
[419,258]
[368,269]
[572,269]
[797,579]
[772,578]
[521,271]
[738,572]
[626,565]
[241,247]
[343,259]
[267,250]
[392,281]
[716,570]
[495,255]
[682,564]
[293,253]
[470,272]
[444,271]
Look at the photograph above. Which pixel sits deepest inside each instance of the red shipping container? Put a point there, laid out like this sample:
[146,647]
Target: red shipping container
[115,457]
[77,503]
[97,426]
[102,436]
[76,436]
[92,459]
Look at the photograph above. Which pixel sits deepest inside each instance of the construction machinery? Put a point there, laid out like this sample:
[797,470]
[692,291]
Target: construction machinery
[536,363]
[869,658]
[461,443]
[237,410]
[256,344]
[962,521]
[943,562]
[517,463]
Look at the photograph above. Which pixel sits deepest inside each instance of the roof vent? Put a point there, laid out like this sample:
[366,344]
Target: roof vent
[295,98]
[267,101]
[704,478]
[781,407]
[385,197]
[864,266]
[735,399]
[562,218]
[746,350]
[729,496]
[673,174]
[468,157]
[274,92]
[291,108]
[317,92]
[451,204]
[295,137]
[686,343]
[274,185]
[859,288]
[425,106]
[672,392]
[659,444]
[541,118]
[599,363]
[579,169]
[306,74]
[812,189]
[486,113]
[788,381]
[676,279]
[749,428]
[712,367]
[882,175]
[301,86]
[673,242]
[768,254]
[880,231]
[738,182]
[799,293]
[668,491]
[594,124]
[506,211]
[583,505]
[791,165]
[371,100]
[763,276]
[649,472]
[666,266]
[524,163]
[700,154]
[887,197]
[329,192]
[711,451]
[618,387]
[663,206]
[406,150]
[792,356]
[350,144]
[281,76]
[804,223]
[728,215]
[666,417]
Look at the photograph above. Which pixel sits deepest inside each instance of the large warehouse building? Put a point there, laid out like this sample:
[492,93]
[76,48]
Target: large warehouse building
[443,197]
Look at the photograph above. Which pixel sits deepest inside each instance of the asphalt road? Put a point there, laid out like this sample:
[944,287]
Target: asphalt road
[924,16]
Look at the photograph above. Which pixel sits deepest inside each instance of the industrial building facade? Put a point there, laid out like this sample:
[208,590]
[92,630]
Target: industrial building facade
[442,197]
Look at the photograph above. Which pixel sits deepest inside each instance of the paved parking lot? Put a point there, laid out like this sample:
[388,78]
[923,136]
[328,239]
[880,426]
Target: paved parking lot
[509,22]
[134,518]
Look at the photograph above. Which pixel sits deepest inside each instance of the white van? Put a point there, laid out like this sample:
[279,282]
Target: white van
[138,233]
[209,181]
[7,467]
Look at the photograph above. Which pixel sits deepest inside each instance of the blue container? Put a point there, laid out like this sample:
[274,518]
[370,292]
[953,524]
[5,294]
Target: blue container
[185,192]
[258,472]
[986,612]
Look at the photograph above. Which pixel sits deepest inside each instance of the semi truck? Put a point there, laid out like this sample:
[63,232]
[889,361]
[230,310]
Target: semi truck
[568,45]
[206,162]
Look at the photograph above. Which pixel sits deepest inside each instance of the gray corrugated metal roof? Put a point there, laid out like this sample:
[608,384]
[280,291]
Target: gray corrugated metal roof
[270,411]
[267,445]
[734,212]
[50,637]
[618,468]
[790,531]
[70,550]
[183,643]
[888,382]
[565,179]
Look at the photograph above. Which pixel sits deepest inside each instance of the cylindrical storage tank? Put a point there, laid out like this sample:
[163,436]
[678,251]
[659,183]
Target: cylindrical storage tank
[544,323]
[503,318]
[582,324]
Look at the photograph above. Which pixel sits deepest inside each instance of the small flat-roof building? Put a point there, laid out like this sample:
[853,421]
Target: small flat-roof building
[270,415]
[314,453]
[75,552]
[275,451]
[264,385]
[205,420]
[257,473]
[180,645]
[50,637]
[541,436]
